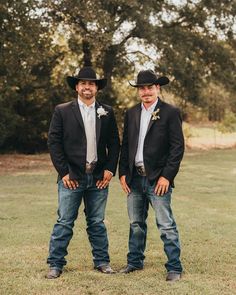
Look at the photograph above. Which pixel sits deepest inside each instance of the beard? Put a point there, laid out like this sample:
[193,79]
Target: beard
[85,94]
[146,98]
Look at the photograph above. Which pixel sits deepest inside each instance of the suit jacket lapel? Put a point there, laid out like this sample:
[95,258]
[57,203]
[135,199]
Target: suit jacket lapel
[98,122]
[137,116]
[136,127]
[152,121]
[77,113]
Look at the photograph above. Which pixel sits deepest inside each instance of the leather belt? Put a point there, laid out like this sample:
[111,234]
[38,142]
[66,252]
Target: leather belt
[90,167]
[141,170]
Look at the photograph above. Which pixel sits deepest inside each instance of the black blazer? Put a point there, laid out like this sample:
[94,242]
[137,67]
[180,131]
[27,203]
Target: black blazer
[67,141]
[163,145]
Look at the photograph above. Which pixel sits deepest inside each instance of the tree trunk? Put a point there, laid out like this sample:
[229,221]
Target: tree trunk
[108,95]
[87,53]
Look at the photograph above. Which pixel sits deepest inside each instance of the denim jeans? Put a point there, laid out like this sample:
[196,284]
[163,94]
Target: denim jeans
[142,194]
[69,202]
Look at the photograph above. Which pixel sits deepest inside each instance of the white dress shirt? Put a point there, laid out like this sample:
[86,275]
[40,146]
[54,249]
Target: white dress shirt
[89,118]
[146,115]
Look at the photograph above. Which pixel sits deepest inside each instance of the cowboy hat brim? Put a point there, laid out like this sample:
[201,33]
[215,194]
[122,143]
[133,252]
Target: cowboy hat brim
[73,81]
[160,81]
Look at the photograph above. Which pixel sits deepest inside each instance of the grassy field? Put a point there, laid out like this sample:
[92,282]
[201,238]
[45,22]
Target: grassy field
[205,210]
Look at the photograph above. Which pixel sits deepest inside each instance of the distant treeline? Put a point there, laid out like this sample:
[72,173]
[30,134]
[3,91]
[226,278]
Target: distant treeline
[41,42]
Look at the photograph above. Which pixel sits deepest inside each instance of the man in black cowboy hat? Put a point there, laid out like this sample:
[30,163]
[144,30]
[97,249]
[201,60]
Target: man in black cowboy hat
[84,146]
[151,152]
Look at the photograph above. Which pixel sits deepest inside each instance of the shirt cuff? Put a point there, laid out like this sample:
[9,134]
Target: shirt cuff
[109,172]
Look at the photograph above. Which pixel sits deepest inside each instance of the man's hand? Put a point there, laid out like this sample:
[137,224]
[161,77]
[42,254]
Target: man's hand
[107,176]
[68,183]
[124,185]
[162,186]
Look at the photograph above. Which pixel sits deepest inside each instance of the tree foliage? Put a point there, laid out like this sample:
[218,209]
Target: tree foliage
[26,60]
[193,42]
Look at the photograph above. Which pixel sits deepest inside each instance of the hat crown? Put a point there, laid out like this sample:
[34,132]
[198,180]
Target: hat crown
[146,77]
[87,73]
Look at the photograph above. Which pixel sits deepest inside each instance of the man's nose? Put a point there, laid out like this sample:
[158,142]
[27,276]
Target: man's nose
[145,91]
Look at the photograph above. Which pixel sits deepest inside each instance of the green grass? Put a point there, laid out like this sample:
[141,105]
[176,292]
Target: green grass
[204,207]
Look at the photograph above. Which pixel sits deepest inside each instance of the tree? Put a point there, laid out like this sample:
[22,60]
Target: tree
[26,63]
[192,41]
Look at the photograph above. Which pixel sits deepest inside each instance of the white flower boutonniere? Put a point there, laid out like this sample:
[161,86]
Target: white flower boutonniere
[155,115]
[101,112]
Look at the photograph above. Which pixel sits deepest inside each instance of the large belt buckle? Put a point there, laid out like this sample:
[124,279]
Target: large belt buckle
[90,167]
[141,170]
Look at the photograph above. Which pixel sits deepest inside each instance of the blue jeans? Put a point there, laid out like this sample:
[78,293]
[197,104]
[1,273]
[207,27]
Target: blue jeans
[142,194]
[69,202]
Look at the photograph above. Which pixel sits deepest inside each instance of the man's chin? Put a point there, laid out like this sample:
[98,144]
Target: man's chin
[88,96]
[147,99]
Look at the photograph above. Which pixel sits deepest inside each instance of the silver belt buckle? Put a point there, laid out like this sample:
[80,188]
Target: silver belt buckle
[141,170]
[90,167]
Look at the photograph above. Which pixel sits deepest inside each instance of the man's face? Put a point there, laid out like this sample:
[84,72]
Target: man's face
[86,89]
[149,93]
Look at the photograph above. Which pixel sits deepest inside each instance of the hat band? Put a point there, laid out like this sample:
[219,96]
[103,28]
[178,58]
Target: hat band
[146,81]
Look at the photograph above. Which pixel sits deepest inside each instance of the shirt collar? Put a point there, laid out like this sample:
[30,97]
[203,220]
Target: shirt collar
[82,104]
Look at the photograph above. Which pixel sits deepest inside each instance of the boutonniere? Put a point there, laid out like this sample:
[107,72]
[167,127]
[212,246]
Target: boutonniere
[155,115]
[101,112]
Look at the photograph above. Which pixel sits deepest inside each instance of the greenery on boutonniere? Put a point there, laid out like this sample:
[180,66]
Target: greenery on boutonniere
[155,115]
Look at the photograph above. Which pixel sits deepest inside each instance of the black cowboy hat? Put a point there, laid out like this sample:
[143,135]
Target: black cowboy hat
[148,77]
[88,74]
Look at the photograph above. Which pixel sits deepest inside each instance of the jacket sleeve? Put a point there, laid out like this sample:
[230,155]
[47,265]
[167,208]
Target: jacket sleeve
[113,145]
[55,144]
[176,143]
[124,156]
